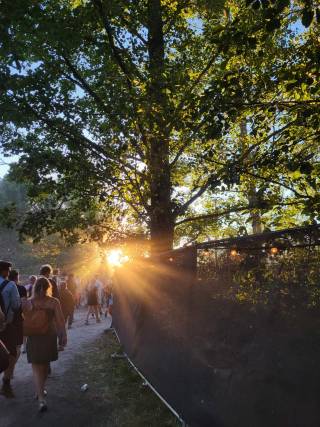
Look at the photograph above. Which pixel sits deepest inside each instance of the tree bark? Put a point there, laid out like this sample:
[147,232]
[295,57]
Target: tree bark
[161,218]
[252,193]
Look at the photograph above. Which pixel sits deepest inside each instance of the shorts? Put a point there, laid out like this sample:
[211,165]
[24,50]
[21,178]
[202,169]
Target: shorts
[9,337]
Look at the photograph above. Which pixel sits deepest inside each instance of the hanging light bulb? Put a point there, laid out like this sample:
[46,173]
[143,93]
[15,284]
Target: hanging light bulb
[234,252]
[274,250]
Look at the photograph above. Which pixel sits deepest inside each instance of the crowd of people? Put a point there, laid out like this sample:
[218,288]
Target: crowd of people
[34,319]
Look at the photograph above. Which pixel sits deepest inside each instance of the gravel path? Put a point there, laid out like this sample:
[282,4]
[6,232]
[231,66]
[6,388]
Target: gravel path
[22,410]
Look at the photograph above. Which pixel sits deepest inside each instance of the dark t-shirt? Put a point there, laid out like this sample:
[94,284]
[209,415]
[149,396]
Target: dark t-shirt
[67,302]
[22,291]
[55,290]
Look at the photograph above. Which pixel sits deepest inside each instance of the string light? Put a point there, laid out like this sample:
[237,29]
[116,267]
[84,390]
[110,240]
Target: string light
[274,250]
[234,252]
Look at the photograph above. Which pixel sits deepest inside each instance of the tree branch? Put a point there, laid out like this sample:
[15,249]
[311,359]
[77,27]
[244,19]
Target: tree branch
[232,210]
[83,84]
[214,214]
[192,199]
[115,51]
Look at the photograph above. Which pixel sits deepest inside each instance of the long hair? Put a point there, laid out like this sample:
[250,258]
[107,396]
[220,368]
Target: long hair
[41,288]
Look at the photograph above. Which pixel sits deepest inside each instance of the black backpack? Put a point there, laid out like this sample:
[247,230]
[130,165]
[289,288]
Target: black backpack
[2,304]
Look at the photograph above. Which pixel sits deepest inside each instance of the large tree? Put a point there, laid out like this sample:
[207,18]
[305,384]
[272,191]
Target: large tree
[126,113]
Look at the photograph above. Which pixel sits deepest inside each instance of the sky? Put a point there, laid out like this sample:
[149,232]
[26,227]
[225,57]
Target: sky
[3,170]
[4,164]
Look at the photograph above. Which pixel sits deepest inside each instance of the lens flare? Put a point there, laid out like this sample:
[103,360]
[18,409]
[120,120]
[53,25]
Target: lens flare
[116,258]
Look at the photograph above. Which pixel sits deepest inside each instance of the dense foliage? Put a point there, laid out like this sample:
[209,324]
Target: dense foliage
[28,255]
[161,118]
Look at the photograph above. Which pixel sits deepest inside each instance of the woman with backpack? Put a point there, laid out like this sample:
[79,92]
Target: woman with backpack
[43,324]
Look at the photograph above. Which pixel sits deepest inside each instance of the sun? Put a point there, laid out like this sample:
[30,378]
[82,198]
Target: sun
[116,258]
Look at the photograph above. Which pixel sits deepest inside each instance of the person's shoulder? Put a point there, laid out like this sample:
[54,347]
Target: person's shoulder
[11,285]
[53,301]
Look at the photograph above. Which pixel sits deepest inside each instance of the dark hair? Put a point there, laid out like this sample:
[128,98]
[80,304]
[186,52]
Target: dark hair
[5,266]
[13,275]
[45,269]
[40,288]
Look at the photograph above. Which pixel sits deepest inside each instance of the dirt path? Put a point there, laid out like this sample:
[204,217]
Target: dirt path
[22,410]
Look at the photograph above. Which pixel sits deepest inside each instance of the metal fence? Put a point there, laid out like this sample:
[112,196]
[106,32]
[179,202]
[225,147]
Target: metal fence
[228,331]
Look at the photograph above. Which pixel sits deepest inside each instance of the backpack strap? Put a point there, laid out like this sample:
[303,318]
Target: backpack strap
[2,286]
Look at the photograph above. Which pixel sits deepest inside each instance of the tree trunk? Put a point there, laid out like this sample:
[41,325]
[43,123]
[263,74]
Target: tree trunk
[161,219]
[255,217]
[252,194]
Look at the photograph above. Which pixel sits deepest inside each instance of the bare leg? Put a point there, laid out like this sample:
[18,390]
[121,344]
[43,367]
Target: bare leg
[40,374]
[88,313]
[18,352]
[96,311]
[16,360]
[8,373]
[6,389]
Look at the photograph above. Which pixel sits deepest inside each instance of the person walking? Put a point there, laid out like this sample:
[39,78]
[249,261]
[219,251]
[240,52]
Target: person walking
[72,288]
[67,303]
[93,307]
[44,323]
[18,317]
[10,304]
[98,284]
[109,300]
[29,285]
[46,271]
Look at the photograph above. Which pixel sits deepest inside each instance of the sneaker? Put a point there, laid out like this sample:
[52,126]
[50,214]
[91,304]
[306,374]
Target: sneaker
[43,406]
[86,322]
